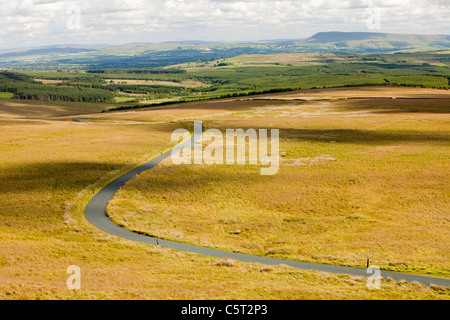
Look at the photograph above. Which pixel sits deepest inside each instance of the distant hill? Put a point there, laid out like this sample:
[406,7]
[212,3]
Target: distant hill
[374,41]
[337,36]
[44,51]
[142,55]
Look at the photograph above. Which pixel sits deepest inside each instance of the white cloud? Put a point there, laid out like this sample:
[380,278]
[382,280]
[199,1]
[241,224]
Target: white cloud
[41,22]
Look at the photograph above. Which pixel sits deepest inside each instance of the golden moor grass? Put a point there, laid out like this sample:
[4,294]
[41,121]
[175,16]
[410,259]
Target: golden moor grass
[49,170]
[348,189]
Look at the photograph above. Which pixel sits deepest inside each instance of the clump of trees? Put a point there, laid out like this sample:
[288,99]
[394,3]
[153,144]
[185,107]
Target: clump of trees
[24,87]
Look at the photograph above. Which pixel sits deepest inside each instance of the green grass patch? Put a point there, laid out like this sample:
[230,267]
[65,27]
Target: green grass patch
[6,95]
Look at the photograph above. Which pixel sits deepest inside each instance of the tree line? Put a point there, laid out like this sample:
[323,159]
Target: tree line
[24,87]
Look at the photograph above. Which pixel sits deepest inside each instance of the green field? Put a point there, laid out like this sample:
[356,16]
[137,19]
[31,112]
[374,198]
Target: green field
[6,95]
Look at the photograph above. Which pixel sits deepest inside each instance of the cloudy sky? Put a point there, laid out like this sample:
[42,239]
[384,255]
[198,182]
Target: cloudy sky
[25,23]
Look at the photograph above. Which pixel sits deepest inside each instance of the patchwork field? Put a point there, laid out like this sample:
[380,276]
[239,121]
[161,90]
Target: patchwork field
[186,83]
[359,178]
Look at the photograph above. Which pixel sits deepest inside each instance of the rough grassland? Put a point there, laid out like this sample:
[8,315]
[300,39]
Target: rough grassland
[359,180]
[21,109]
[49,170]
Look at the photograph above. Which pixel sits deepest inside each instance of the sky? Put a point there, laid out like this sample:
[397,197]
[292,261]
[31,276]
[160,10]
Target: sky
[29,23]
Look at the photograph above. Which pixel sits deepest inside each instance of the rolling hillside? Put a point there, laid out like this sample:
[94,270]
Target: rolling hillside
[374,42]
[139,55]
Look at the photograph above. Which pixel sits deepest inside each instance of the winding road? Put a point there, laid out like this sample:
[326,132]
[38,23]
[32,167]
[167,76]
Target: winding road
[95,213]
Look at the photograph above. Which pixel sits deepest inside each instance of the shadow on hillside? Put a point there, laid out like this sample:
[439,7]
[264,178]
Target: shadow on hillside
[354,136]
[53,179]
[357,136]
[398,105]
[376,104]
